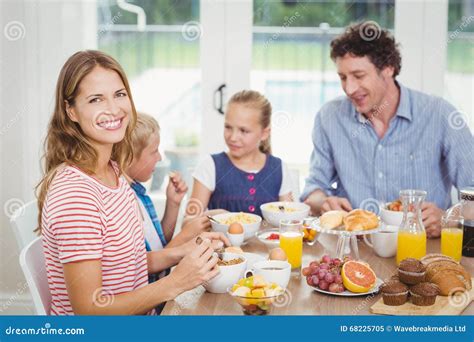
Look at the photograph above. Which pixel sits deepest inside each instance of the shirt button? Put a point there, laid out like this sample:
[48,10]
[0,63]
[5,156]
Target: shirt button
[380,175]
[251,208]
[380,147]
[250,177]
[252,191]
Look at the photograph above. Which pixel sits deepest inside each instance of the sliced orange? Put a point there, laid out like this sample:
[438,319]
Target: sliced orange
[358,277]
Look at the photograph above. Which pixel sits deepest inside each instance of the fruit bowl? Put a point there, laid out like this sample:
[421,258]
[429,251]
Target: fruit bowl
[255,306]
[268,237]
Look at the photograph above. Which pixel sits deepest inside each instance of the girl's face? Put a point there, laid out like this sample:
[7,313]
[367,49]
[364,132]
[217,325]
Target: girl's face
[142,168]
[242,130]
[102,107]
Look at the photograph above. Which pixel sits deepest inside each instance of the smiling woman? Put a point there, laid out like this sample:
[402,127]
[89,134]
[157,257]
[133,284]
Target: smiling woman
[91,227]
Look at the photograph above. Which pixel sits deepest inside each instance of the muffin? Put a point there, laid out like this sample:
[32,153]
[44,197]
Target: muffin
[411,271]
[424,294]
[394,293]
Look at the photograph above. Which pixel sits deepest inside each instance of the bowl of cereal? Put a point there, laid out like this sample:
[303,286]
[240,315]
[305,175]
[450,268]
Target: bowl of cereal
[231,268]
[273,212]
[250,223]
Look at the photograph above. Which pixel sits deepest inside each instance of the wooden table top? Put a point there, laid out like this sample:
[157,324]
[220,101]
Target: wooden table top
[304,300]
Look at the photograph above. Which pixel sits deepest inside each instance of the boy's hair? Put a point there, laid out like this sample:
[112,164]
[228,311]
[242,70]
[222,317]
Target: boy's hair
[254,99]
[146,126]
[368,39]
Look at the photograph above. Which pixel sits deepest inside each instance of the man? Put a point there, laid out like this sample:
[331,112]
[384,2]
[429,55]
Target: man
[384,137]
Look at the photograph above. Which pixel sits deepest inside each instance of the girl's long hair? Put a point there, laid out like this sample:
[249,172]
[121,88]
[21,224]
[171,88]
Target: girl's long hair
[256,100]
[65,141]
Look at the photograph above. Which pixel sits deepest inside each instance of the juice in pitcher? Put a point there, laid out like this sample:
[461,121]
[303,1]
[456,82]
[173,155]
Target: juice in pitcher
[411,245]
[411,235]
[292,244]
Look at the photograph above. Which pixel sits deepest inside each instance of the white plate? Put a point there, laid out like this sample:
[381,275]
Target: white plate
[252,258]
[347,293]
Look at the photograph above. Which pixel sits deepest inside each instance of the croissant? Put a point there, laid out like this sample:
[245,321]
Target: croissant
[359,219]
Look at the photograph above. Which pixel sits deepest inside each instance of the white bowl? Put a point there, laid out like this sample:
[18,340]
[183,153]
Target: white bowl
[273,217]
[249,228]
[390,217]
[228,275]
[264,233]
[236,239]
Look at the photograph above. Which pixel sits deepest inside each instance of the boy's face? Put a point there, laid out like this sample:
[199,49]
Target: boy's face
[142,168]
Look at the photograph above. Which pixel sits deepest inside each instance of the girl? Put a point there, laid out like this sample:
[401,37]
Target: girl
[89,218]
[247,175]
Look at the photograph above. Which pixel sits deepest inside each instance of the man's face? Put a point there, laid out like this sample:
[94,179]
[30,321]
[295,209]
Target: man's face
[363,83]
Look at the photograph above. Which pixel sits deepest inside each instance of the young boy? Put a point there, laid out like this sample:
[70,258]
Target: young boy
[159,235]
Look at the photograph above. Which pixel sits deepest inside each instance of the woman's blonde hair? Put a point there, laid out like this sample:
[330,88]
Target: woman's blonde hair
[65,141]
[254,99]
[146,126]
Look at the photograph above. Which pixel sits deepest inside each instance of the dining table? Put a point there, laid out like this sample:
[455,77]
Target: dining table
[301,298]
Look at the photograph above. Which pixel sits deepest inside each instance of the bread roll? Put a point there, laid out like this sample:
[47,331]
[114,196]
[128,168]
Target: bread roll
[332,219]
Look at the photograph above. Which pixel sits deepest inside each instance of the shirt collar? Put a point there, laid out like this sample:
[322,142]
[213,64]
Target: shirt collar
[403,109]
[139,189]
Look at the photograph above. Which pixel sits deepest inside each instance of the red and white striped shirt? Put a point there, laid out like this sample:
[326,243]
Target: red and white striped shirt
[83,219]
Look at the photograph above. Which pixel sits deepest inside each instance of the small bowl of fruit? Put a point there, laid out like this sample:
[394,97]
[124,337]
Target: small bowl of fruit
[391,213]
[255,295]
[270,237]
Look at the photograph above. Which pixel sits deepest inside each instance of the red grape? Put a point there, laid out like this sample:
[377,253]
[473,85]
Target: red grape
[322,274]
[326,259]
[315,280]
[334,288]
[323,285]
[306,271]
[313,263]
[309,280]
[324,266]
[337,262]
[338,279]
[329,278]
[314,269]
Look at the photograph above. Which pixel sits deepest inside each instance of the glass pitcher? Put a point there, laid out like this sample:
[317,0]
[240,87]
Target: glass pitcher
[465,209]
[411,234]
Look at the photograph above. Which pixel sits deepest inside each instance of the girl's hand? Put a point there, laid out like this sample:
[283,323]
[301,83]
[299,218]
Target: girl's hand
[176,189]
[196,267]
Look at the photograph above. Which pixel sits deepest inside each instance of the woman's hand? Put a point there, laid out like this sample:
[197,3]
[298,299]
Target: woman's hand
[196,267]
[218,240]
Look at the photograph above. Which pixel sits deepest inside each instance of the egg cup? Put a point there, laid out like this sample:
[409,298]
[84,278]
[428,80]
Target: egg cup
[236,239]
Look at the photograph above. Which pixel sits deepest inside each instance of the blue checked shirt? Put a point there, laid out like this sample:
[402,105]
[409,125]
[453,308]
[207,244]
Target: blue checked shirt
[428,146]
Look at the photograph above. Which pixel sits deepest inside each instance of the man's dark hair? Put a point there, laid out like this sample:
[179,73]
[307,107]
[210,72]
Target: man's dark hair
[368,39]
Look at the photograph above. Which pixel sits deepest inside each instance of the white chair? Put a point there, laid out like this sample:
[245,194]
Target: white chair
[24,221]
[33,264]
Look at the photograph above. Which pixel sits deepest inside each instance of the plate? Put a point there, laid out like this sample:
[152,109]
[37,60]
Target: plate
[347,293]
[252,258]
[341,230]
[264,233]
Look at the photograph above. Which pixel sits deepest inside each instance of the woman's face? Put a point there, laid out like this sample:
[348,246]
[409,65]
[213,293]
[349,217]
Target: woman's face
[102,107]
[242,130]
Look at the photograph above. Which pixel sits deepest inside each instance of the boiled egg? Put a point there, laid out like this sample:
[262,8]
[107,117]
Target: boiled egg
[235,228]
[277,254]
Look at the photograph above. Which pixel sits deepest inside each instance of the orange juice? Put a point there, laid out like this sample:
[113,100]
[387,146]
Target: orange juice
[292,244]
[451,242]
[411,245]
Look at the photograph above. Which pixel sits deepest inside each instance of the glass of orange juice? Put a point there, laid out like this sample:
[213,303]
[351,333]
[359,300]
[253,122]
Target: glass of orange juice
[451,236]
[291,241]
